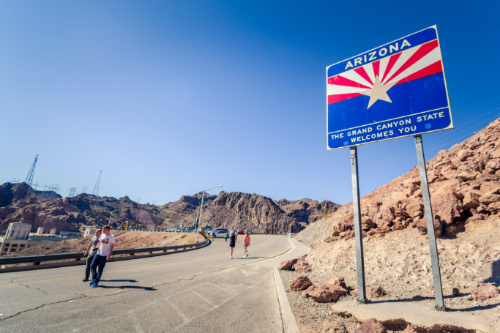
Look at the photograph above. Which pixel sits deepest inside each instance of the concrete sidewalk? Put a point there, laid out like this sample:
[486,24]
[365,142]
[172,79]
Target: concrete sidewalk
[288,319]
[297,249]
[418,315]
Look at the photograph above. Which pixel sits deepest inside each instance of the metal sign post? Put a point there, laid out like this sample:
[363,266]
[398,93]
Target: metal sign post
[424,185]
[393,91]
[357,226]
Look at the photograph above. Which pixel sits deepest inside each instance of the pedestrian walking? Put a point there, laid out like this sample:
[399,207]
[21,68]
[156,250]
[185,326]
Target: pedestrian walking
[91,251]
[246,244]
[226,236]
[106,246]
[232,241]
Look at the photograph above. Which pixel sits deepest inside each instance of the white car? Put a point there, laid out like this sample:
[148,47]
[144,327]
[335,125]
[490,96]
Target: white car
[218,233]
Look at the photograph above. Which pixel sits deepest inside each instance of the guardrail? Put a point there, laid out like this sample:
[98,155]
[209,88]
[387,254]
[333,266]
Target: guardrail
[36,260]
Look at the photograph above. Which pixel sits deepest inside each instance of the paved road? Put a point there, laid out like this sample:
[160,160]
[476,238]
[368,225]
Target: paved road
[198,291]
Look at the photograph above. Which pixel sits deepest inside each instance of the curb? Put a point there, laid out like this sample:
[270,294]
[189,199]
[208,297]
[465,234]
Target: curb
[287,317]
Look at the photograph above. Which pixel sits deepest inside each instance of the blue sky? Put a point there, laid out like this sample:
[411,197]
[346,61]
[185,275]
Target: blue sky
[168,98]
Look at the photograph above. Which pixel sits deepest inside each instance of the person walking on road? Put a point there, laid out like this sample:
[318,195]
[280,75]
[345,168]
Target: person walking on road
[226,236]
[246,244]
[232,241]
[106,246]
[91,251]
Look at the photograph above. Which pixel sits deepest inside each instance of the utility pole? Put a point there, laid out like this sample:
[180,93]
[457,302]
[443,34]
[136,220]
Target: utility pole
[201,208]
[31,173]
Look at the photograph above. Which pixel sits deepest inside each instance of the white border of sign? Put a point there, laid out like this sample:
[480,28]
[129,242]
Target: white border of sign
[451,126]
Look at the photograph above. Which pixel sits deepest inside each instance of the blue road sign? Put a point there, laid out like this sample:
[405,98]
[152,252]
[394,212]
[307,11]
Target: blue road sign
[392,91]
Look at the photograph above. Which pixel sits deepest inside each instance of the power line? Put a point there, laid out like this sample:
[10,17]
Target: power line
[441,143]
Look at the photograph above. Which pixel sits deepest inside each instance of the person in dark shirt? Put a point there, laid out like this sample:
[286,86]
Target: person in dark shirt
[91,251]
[232,241]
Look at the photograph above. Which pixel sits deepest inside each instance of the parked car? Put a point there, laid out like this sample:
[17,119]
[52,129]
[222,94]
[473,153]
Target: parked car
[218,233]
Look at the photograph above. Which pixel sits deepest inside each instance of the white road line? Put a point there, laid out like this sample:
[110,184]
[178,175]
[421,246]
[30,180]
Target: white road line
[178,327]
[202,297]
[178,311]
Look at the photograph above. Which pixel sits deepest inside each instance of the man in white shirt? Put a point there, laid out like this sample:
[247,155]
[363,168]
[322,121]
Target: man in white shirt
[106,245]
[91,250]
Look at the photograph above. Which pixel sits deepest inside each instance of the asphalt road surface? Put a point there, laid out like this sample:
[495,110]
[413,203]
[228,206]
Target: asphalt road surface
[197,291]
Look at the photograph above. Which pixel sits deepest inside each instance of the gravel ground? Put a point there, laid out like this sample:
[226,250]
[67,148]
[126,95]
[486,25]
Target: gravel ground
[311,316]
[400,263]
[315,317]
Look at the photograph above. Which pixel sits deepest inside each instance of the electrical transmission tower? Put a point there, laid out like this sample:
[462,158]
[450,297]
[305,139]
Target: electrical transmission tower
[31,173]
[96,187]
[71,192]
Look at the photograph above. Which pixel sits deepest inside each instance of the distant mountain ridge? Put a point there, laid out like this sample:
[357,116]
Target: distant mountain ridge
[230,210]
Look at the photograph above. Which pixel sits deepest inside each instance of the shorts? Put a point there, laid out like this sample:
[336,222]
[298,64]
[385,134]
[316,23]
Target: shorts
[246,244]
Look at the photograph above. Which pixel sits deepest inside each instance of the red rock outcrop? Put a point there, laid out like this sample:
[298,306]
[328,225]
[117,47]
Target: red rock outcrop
[245,211]
[323,293]
[337,281]
[301,267]
[287,265]
[482,293]
[300,283]
[464,184]
[371,326]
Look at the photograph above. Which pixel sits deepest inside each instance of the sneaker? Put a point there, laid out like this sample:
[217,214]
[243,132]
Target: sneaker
[231,257]
[91,282]
[94,284]
[85,280]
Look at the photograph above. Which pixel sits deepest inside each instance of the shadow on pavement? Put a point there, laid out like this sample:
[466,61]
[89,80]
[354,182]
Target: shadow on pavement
[128,287]
[118,280]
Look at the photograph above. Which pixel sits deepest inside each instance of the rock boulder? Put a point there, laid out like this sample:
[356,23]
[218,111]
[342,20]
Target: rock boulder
[482,293]
[322,293]
[371,326]
[300,283]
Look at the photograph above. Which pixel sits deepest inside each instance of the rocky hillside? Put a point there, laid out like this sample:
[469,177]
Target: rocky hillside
[246,211]
[465,194]
[463,183]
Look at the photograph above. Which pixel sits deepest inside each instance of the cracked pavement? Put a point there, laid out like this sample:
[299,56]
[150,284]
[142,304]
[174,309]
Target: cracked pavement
[196,291]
